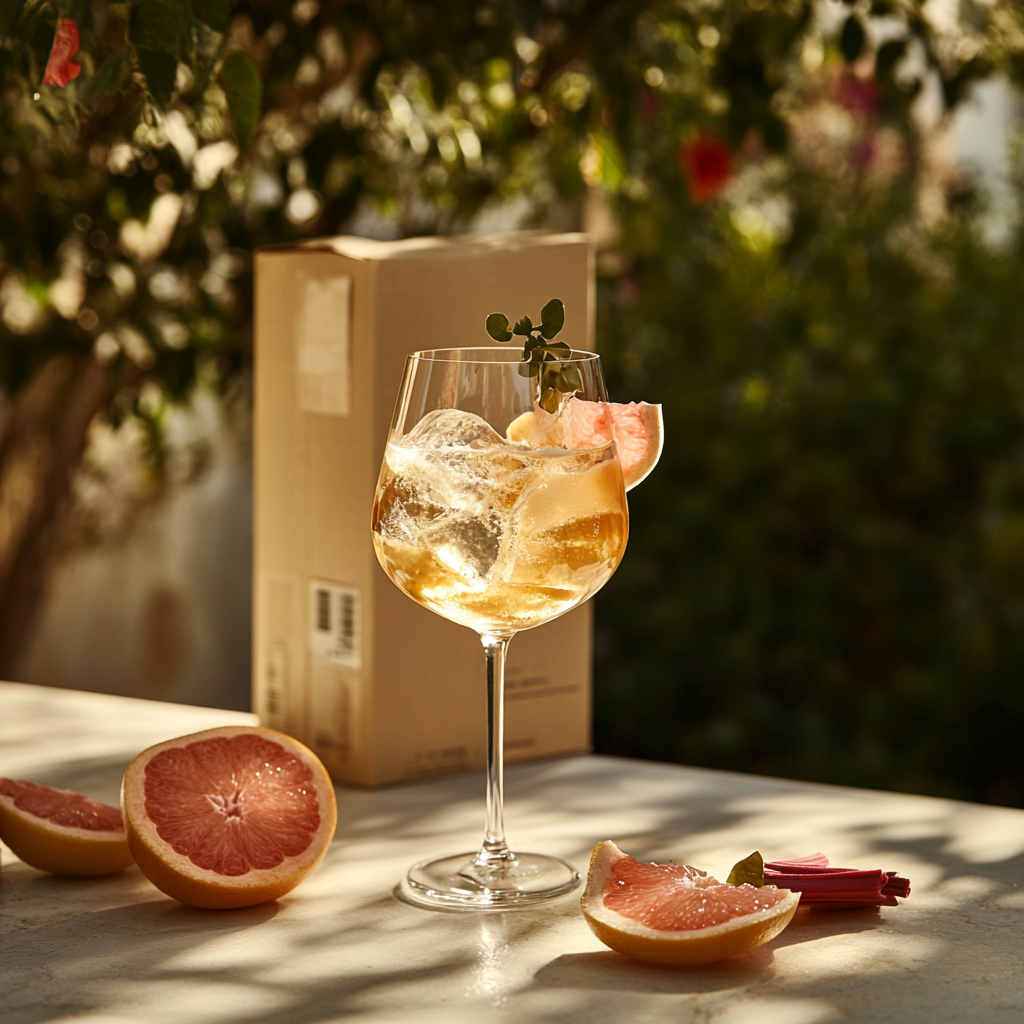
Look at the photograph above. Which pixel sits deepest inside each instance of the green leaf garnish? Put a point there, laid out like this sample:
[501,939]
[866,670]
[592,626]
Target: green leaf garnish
[497,327]
[524,327]
[542,357]
[749,871]
[552,318]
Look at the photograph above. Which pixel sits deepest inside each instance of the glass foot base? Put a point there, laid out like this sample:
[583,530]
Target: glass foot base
[459,882]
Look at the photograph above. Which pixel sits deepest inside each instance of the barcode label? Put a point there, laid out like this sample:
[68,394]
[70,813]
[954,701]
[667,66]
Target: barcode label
[334,636]
[323,610]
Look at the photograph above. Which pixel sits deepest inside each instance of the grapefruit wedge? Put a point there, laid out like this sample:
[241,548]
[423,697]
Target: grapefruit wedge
[62,832]
[670,914]
[230,817]
[636,428]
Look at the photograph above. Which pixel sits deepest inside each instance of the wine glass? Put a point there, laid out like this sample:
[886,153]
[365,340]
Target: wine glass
[498,536]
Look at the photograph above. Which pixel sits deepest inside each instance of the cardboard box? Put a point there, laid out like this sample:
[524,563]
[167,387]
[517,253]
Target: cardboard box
[382,689]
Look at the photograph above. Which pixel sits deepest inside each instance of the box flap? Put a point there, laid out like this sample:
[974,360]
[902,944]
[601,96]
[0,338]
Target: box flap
[406,248]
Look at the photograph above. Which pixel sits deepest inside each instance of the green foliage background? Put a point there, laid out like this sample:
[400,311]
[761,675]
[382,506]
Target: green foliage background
[825,576]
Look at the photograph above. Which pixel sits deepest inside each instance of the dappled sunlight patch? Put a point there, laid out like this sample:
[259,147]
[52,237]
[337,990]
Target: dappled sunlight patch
[779,1011]
[956,893]
[789,824]
[92,725]
[985,835]
[872,951]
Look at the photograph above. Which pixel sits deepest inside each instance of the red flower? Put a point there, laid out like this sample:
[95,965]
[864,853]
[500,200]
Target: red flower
[60,68]
[708,163]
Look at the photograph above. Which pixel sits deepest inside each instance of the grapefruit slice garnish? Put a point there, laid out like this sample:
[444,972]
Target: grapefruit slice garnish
[62,832]
[669,914]
[636,428]
[229,817]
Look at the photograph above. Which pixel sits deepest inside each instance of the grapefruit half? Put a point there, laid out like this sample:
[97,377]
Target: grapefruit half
[669,914]
[635,427]
[62,832]
[229,817]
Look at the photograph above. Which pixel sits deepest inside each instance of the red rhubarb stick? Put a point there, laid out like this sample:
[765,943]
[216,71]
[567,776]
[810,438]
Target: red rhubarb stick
[896,886]
[884,901]
[811,861]
[825,887]
[845,881]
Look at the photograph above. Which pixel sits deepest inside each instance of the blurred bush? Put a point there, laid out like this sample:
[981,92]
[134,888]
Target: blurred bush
[827,580]
[824,574]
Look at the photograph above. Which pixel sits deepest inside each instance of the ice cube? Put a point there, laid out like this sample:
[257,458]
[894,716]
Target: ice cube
[470,544]
[452,428]
[454,458]
[403,507]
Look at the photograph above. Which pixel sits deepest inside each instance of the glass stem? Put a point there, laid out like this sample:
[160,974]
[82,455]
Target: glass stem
[495,851]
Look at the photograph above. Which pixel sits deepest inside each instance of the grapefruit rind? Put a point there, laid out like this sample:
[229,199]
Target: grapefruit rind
[176,876]
[687,948]
[62,849]
[637,427]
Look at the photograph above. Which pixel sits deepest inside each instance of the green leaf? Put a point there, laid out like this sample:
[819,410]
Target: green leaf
[243,88]
[557,350]
[775,132]
[36,25]
[215,13]
[111,77]
[528,368]
[851,39]
[161,25]
[612,163]
[888,56]
[552,318]
[10,12]
[955,89]
[549,400]
[523,327]
[571,379]
[749,871]
[160,70]
[209,45]
[497,327]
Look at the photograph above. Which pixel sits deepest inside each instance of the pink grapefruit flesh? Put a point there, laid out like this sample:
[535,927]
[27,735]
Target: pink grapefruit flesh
[672,914]
[673,898]
[635,427]
[62,832]
[230,817]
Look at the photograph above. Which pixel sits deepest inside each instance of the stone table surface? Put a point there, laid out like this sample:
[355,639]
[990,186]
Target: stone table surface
[342,947]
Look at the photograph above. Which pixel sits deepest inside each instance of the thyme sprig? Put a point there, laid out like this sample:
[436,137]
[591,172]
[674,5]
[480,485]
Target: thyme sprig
[542,358]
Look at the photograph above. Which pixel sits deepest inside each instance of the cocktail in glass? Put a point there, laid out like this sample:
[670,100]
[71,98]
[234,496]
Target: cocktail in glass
[498,536]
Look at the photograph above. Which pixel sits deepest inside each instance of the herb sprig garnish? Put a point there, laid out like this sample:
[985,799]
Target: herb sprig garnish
[542,358]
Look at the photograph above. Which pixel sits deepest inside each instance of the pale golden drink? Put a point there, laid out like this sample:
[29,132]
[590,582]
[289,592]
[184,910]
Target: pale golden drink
[494,535]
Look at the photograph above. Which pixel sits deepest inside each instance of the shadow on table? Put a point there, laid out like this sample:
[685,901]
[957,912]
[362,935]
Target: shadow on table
[613,971]
[608,970]
[75,948]
[97,777]
[809,925]
[76,958]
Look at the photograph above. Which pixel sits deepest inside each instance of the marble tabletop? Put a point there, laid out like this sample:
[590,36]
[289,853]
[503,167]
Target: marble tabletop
[342,947]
